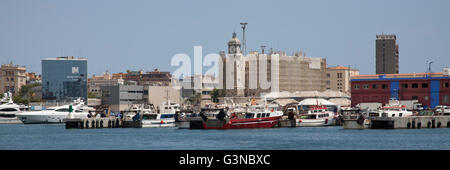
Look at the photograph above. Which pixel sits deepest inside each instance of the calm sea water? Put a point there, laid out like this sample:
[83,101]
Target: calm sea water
[51,137]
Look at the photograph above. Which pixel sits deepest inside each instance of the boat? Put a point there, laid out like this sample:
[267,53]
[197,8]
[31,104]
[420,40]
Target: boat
[56,114]
[316,116]
[444,110]
[165,117]
[391,110]
[256,117]
[354,118]
[8,110]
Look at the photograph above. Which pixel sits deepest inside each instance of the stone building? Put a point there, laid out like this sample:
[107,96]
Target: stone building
[241,75]
[12,78]
[338,78]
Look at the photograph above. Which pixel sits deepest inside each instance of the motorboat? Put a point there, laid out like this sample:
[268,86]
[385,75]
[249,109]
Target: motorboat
[56,114]
[391,110]
[316,116]
[8,110]
[165,118]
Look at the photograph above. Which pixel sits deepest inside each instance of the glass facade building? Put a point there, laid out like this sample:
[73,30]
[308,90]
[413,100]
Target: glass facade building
[64,79]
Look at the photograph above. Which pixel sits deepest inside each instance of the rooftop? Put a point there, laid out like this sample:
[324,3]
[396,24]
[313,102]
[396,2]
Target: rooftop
[66,58]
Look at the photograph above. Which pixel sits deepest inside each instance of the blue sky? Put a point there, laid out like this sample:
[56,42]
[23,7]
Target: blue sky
[117,35]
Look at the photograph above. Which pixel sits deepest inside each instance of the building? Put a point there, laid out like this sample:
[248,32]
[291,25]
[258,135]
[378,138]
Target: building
[386,54]
[153,78]
[95,82]
[430,89]
[157,95]
[338,78]
[121,96]
[64,79]
[12,78]
[290,73]
[208,82]
[33,78]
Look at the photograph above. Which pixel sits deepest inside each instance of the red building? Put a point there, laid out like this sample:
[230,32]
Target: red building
[431,89]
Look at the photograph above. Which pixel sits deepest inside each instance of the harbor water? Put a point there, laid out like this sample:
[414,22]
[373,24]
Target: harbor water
[56,137]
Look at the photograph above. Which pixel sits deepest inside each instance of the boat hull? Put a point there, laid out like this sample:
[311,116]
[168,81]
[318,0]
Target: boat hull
[158,123]
[36,118]
[267,122]
[314,122]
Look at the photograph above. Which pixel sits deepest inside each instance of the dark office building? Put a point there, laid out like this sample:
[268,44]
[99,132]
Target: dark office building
[64,79]
[386,54]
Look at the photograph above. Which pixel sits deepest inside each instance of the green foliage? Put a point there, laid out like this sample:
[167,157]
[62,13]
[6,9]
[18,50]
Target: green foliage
[26,88]
[92,95]
[215,93]
[25,94]
[18,99]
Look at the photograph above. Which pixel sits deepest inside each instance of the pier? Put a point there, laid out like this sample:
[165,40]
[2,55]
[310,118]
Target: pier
[411,122]
[104,122]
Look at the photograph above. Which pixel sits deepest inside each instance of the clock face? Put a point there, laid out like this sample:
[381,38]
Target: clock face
[232,49]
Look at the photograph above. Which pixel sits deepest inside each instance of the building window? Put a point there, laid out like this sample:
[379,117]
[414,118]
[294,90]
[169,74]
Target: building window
[374,86]
[405,86]
[415,85]
[365,86]
[445,85]
[384,86]
[424,85]
[328,75]
[445,99]
[356,86]
[415,98]
[339,75]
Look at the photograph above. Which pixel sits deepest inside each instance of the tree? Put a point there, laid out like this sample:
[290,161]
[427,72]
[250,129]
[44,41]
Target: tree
[91,95]
[215,93]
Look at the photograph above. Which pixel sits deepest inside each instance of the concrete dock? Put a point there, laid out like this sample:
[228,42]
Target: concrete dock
[90,123]
[410,122]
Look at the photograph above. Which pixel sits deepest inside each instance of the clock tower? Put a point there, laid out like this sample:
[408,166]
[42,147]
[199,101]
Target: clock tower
[234,45]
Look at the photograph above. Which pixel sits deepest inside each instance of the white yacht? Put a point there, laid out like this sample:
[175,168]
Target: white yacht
[9,110]
[56,114]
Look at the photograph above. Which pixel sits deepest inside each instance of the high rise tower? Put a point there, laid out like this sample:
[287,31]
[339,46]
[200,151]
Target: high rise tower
[386,54]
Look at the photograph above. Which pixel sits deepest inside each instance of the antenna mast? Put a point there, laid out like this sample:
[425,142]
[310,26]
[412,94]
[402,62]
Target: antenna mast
[244,44]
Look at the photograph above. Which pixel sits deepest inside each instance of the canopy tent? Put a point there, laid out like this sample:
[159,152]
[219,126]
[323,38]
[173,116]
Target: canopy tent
[316,101]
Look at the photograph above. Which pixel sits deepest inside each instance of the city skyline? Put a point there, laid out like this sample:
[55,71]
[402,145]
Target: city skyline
[118,36]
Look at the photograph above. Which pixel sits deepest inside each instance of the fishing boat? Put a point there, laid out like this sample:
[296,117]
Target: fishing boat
[316,116]
[165,117]
[391,110]
[256,117]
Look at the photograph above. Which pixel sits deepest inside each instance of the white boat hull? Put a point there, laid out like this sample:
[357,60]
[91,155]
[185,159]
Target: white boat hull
[13,120]
[314,122]
[158,123]
[37,118]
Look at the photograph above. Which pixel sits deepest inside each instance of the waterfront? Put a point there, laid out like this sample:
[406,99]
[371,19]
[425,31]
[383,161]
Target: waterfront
[56,137]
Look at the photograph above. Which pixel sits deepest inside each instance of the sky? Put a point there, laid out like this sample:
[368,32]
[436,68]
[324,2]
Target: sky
[118,35]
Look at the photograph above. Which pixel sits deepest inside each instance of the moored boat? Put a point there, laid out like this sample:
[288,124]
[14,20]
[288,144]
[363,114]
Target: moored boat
[56,114]
[256,117]
[316,116]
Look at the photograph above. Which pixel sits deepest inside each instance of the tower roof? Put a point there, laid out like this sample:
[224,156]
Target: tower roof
[234,40]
